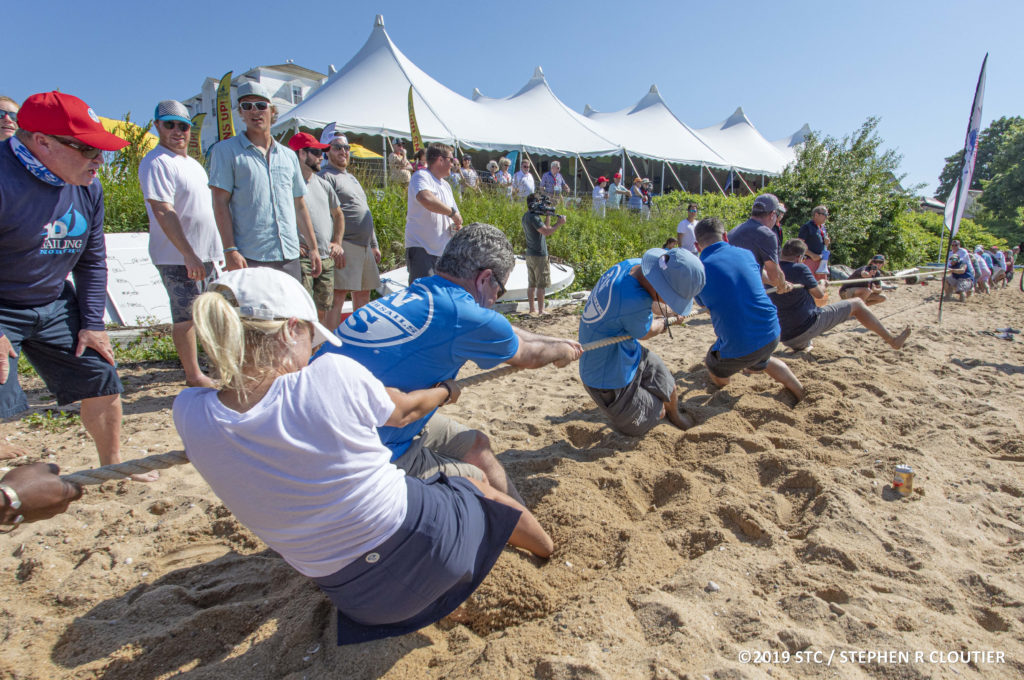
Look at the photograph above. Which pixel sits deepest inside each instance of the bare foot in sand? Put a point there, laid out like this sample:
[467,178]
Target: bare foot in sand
[150,476]
[8,451]
[897,342]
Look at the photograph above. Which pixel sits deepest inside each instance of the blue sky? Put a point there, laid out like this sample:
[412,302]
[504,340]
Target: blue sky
[912,63]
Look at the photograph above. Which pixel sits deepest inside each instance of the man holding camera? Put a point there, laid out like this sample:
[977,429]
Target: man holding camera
[537,227]
[868,291]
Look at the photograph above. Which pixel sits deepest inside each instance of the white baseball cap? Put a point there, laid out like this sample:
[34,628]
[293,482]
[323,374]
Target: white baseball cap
[267,294]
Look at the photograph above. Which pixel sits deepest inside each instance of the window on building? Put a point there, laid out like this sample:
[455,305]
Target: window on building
[296,94]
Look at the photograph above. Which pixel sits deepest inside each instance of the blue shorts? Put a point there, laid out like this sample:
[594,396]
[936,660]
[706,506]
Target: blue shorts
[448,543]
[48,335]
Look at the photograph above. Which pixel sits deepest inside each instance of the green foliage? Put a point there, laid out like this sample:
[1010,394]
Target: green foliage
[990,141]
[151,345]
[921,232]
[52,420]
[1004,192]
[124,207]
[856,180]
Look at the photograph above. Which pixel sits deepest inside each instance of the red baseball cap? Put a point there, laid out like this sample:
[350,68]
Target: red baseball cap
[64,115]
[616,176]
[304,140]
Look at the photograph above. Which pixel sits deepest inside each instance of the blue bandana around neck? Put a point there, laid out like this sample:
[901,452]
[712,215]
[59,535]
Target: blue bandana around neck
[33,164]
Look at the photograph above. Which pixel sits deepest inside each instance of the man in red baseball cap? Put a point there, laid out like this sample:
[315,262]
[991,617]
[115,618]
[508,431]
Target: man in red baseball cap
[328,224]
[616,190]
[51,225]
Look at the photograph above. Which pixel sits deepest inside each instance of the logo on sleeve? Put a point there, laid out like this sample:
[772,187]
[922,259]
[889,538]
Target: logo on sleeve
[64,235]
[389,321]
[601,297]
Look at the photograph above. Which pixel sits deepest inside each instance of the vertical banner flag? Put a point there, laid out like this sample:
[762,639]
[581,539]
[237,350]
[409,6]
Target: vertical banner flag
[225,123]
[195,143]
[958,197]
[414,129]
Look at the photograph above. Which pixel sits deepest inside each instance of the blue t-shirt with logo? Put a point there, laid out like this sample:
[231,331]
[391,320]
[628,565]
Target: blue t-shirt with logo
[420,336]
[47,233]
[618,305]
[744,318]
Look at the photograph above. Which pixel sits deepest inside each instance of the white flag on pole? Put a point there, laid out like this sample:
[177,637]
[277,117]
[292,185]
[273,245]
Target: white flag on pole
[958,197]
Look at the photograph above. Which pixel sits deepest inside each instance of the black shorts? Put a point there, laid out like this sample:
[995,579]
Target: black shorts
[755,361]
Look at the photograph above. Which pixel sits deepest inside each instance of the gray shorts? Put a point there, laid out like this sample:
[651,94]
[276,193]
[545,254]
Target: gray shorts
[290,267]
[755,361]
[636,408]
[360,270]
[440,447]
[181,290]
[419,263]
[829,317]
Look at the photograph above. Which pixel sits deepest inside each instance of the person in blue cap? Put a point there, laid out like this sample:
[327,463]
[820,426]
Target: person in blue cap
[629,383]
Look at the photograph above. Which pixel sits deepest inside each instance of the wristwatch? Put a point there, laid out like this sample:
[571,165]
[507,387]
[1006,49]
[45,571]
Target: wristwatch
[13,502]
[453,211]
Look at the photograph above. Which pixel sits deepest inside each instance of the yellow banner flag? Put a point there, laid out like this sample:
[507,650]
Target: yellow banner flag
[225,123]
[414,129]
[195,143]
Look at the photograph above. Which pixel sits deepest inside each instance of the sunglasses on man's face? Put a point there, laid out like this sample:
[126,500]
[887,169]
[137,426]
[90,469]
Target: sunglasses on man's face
[13,115]
[249,106]
[316,152]
[171,124]
[87,151]
[341,147]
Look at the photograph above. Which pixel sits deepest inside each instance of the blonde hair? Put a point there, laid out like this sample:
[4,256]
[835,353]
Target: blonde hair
[5,98]
[241,349]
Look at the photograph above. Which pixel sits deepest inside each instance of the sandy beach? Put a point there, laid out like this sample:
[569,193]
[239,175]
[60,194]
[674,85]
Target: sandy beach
[766,541]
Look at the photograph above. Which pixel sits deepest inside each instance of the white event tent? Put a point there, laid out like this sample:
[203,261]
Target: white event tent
[369,95]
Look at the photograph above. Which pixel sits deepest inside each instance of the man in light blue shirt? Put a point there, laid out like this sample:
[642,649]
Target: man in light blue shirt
[258,193]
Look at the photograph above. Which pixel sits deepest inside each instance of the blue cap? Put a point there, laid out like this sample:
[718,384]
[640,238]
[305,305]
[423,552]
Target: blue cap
[677,276]
[170,109]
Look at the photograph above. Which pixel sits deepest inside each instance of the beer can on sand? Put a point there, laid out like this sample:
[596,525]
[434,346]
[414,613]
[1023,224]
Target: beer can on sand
[903,479]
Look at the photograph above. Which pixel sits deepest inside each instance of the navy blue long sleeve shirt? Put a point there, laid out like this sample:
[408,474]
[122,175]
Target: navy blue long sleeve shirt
[47,232]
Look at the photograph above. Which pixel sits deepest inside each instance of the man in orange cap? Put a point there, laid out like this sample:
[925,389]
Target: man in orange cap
[51,225]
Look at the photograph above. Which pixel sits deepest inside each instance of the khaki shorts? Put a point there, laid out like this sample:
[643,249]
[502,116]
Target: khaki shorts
[320,287]
[360,270]
[538,271]
[440,447]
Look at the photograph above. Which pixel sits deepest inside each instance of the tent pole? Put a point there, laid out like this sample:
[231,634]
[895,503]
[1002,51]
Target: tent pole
[715,180]
[678,181]
[622,165]
[586,172]
[385,159]
[663,178]
[744,181]
[701,179]
[575,176]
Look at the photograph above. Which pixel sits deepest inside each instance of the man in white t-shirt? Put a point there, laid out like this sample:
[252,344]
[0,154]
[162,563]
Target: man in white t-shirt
[522,182]
[183,238]
[432,216]
[684,232]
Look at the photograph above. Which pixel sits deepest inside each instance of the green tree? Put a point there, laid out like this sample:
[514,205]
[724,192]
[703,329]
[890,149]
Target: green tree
[124,207]
[1004,192]
[989,142]
[856,179]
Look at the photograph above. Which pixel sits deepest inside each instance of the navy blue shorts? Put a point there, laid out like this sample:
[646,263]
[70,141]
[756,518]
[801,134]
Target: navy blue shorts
[48,335]
[448,543]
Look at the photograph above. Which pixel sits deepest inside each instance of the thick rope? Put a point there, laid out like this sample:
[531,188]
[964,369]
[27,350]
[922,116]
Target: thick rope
[106,473]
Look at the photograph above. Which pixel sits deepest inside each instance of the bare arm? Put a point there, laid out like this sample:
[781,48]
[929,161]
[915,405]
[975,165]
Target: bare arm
[305,225]
[336,248]
[540,350]
[168,220]
[411,406]
[777,277]
[430,201]
[222,214]
[548,229]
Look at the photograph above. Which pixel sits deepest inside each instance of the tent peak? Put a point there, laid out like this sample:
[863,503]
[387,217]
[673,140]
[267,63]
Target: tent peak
[737,118]
[538,72]
[477,94]
[588,109]
[378,21]
[654,90]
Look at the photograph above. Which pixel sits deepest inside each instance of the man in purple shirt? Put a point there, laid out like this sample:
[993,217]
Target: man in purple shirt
[51,225]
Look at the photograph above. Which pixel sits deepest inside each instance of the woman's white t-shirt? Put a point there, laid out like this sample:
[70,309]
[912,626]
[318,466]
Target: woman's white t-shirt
[304,468]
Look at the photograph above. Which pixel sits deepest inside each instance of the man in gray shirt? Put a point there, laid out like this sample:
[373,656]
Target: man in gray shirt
[756,235]
[359,273]
[328,224]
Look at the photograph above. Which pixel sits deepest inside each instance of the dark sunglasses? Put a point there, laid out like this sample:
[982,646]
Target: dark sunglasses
[316,152]
[88,151]
[341,147]
[501,287]
[249,106]
[13,115]
[171,124]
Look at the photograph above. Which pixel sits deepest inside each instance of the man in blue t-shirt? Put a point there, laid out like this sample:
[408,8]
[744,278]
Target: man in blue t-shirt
[51,224]
[424,334]
[744,319]
[629,383]
[804,313]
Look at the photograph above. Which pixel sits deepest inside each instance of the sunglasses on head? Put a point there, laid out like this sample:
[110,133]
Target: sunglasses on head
[87,151]
[249,106]
[13,115]
[171,124]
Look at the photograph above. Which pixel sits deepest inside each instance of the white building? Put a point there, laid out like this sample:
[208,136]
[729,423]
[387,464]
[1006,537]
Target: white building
[288,84]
